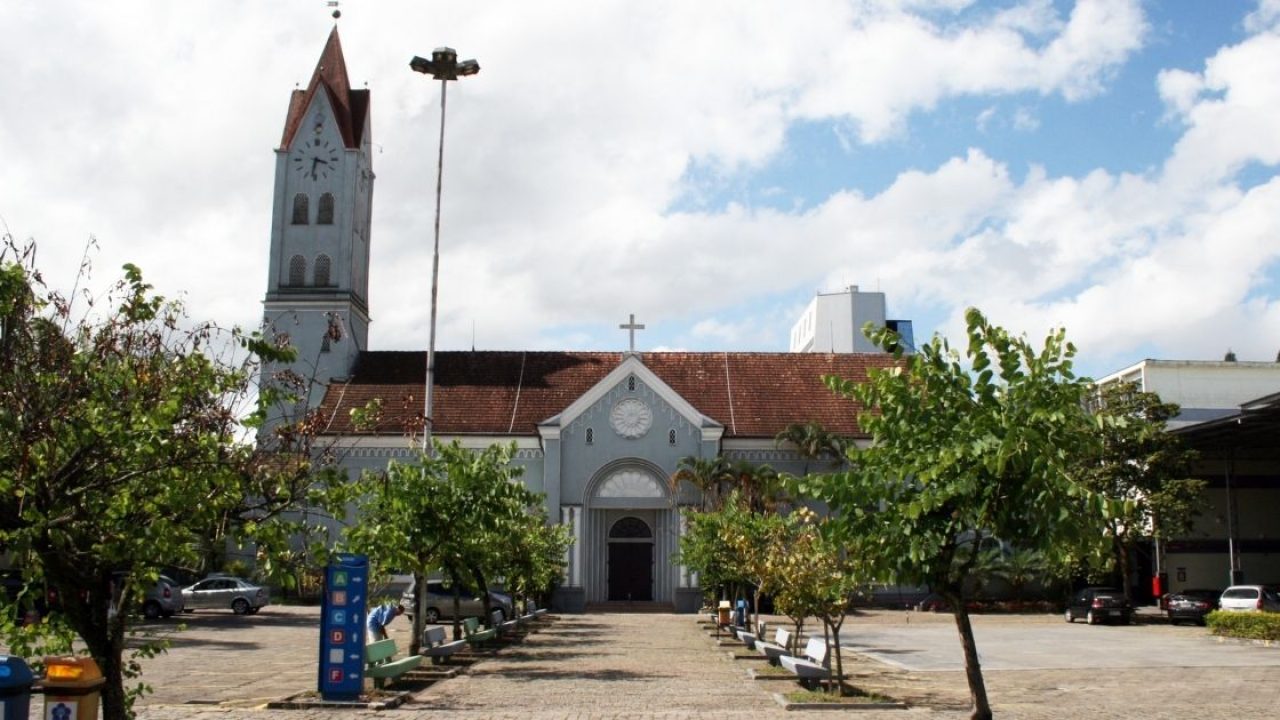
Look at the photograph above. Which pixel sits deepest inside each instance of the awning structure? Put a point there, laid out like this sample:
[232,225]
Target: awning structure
[1250,435]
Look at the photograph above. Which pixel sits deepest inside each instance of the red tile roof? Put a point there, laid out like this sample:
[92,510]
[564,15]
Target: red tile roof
[753,395]
[351,107]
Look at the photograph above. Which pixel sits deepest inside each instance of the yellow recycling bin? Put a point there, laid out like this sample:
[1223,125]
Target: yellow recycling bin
[72,686]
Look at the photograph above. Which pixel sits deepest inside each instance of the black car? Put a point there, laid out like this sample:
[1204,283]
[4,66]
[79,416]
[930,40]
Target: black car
[1192,605]
[1098,605]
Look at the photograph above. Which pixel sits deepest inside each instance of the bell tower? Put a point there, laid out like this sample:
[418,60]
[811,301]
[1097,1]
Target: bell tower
[318,283]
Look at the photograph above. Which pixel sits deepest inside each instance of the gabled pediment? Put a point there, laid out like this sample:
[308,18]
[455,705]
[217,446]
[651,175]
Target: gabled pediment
[631,365]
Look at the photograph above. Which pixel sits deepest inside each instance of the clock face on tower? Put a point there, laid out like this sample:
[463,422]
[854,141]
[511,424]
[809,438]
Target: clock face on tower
[315,159]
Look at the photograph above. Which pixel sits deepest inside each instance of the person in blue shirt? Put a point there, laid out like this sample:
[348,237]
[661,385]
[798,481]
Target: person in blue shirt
[379,618]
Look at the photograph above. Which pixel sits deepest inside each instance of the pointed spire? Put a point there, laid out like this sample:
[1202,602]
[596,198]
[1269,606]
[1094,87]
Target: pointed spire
[349,106]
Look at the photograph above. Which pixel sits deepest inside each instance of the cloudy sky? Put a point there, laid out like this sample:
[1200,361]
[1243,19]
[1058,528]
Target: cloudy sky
[1106,165]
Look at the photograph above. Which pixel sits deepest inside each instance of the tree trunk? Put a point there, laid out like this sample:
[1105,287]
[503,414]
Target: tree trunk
[972,668]
[457,603]
[833,645]
[113,700]
[482,587]
[794,645]
[419,612]
[1121,550]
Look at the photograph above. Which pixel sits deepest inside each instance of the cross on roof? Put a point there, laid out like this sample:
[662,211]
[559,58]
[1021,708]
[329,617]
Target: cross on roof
[631,327]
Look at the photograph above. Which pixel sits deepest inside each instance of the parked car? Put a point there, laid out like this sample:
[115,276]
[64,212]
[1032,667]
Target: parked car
[164,599]
[1249,598]
[1099,604]
[224,591]
[440,603]
[1191,605]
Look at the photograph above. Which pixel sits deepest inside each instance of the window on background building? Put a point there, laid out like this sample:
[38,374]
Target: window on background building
[324,215]
[301,209]
[297,271]
[322,271]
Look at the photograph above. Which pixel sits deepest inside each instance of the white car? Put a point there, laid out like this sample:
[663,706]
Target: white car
[1249,598]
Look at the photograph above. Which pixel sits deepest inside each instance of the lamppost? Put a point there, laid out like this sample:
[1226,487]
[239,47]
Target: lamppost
[442,66]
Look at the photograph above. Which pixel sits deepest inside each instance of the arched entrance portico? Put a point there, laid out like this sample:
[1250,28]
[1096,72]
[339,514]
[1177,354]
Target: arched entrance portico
[630,532]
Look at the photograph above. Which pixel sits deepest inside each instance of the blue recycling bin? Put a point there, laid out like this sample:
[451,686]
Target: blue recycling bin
[16,680]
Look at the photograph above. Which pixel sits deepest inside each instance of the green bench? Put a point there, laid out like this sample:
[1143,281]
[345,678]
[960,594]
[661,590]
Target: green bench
[380,666]
[472,633]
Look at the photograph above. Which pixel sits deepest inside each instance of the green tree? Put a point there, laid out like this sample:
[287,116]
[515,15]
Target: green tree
[456,510]
[703,549]
[119,428]
[537,562]
[751,536]
[816,574]
[1143,468]
[959,454]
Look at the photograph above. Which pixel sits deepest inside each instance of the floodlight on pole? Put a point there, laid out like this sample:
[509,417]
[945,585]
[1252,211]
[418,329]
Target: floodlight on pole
[442,66]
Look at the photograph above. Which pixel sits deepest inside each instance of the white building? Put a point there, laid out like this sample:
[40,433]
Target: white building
[1205,390]
[1229,414]
[833,323]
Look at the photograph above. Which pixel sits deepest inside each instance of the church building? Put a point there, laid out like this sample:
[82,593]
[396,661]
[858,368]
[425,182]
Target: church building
[599,434]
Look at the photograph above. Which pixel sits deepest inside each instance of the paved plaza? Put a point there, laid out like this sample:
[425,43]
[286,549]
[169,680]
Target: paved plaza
[226,667]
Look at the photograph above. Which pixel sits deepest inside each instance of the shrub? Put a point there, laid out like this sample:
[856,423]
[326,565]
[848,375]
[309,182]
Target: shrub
[1250,625]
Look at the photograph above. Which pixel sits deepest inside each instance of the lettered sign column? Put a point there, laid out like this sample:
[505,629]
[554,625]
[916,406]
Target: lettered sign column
[346,583]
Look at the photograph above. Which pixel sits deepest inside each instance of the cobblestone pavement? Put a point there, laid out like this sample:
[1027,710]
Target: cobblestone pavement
[583,667]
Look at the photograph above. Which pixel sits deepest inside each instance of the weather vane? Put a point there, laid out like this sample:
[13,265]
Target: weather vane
[336,12]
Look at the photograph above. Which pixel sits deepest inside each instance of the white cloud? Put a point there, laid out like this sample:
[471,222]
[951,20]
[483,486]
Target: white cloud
[1025,121]
[885,66]
[1264,18]
[153,128]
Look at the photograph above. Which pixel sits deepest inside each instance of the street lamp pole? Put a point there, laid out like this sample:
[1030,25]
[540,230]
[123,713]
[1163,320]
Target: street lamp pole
[442,66]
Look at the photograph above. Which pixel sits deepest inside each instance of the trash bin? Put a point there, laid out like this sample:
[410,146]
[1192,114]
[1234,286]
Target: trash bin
[15,688]
[72,686]
[723,613]
[740,616]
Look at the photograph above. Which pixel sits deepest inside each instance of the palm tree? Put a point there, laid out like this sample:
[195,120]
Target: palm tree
[812,441]
[709,475]
[758,485]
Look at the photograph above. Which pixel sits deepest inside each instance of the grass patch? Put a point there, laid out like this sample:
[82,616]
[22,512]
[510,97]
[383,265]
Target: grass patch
[849,695]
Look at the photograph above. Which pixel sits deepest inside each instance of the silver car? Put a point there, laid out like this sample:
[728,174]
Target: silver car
[440,603]
[220,593]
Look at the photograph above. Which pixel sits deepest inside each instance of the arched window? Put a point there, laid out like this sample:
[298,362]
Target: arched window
[301,209]
[630,527]
[322,271]
[297,271]
[324,215]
